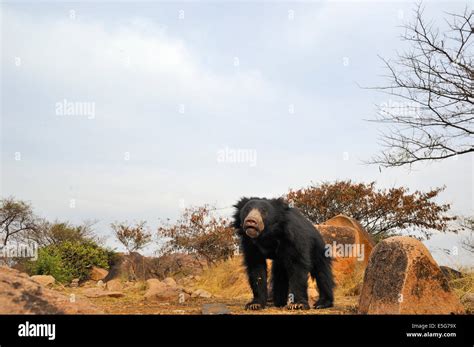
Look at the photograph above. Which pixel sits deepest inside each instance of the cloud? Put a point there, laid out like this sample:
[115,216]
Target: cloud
[134,62]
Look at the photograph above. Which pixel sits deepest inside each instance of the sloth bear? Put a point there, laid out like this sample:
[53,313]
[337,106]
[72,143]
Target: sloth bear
[270,229]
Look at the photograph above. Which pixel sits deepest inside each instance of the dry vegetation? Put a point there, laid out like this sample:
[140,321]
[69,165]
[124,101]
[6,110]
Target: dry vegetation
[463,287]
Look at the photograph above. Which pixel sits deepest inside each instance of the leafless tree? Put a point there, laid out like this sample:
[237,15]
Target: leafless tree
[433,83]
[468,241]
[133,237]
[15,217]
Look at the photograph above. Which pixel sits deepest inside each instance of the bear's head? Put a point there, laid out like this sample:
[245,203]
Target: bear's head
[255,216]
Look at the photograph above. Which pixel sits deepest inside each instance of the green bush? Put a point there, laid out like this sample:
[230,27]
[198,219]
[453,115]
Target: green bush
[50,263]
[69,260]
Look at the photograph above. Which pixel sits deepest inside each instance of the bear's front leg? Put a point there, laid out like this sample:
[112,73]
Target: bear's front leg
[298,288]
[279,284]
[257,275]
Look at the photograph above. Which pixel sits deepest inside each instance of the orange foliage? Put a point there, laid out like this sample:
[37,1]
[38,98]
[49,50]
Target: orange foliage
[382,212]
[200,233]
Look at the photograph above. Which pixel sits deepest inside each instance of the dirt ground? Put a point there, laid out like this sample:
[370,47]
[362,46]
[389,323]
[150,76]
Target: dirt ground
[133,303]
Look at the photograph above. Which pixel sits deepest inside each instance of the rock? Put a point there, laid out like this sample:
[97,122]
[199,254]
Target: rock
[215,309]
[44,280]
[160,291]
[201,293]
[468,302]
[183,297]
[450,273]
[74,283]
[345,233]
[359,237]
[114,294]
[98,293]
[185,290]
[114,285]
[135,267]
[20,294]
[132,267]
[101,284]
[170,281]
[153,282]
[92,292]
[403,278]
[97,273]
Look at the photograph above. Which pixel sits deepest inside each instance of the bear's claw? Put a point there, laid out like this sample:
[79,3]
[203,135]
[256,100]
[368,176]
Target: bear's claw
[253,306]
[323,304]
[297,306]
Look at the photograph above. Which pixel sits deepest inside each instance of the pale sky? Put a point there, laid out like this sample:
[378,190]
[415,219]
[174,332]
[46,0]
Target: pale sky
[159,90]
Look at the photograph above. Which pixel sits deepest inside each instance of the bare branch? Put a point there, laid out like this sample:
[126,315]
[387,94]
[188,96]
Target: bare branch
[432,117]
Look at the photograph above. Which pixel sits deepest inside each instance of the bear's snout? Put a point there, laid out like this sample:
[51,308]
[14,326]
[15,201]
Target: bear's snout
[253,223]
[249,222]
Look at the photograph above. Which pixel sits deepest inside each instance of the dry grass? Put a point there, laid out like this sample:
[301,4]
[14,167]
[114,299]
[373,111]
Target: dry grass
[226,279]
[351,283]
[463,286]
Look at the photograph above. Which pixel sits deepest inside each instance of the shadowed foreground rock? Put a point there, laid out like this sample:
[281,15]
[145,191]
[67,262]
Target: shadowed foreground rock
[403,278]
[19,294]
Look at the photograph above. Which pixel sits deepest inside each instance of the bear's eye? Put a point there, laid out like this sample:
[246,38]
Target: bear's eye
[245,212]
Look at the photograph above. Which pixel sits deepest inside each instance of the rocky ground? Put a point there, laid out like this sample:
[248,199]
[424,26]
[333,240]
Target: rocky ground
[399,267]
[133,304]
[138,298]
[21,293]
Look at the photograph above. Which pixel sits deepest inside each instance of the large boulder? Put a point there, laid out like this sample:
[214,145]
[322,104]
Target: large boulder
[351,245]
[403,278]
[97,273]
[20,294]
[114,285]
[160,291]
[129,267]
[170,282]
[135,267]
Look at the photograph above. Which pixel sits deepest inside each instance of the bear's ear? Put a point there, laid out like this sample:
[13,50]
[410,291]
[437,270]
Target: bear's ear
[236,223]
[281,203]
[241,203]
